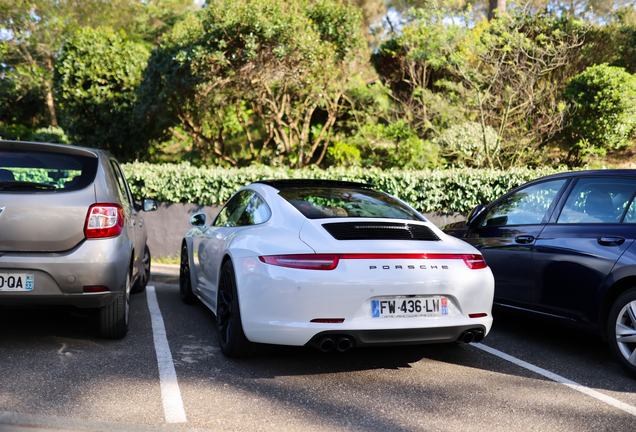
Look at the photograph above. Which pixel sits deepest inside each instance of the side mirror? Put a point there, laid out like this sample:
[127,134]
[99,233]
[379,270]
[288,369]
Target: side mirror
[198,220]
[149,205]
[474,215]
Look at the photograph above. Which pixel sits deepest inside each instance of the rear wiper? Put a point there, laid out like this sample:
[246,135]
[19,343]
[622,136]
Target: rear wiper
[14,184]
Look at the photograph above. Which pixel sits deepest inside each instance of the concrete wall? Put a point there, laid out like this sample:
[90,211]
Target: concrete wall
[167,226]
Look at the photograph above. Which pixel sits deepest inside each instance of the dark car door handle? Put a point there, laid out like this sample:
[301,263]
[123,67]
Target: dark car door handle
[524,239]
[611,241]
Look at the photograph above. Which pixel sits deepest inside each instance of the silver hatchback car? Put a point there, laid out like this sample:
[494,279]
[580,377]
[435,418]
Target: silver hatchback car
[70,232]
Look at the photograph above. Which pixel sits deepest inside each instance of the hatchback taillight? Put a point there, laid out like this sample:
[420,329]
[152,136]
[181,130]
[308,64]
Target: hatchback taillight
[104,220]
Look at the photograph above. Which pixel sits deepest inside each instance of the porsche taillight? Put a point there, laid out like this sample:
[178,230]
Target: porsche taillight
[104,220]
[308,262]
[475,262]
[330,261]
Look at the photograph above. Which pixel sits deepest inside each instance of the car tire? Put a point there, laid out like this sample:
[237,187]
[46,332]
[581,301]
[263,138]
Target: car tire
[229,327]
[113,318]
[144,275]
[185,284]
[621,331]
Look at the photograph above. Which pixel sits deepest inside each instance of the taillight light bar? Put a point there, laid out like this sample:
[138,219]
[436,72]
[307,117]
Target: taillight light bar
[330,261]
[308,262]
[104,220]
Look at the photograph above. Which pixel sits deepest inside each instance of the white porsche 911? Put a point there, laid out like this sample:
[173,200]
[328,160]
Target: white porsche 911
[333,265]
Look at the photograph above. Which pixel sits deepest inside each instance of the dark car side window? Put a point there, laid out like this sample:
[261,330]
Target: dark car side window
[525,207]
[243,209]
[600,200]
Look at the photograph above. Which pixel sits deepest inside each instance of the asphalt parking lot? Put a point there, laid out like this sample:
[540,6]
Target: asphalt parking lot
[56,374]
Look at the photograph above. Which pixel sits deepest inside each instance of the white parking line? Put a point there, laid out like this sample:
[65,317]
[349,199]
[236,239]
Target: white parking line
[172,403]
[558,378]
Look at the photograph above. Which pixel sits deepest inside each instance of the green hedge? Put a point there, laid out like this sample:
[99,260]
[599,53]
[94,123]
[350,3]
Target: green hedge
[450,190]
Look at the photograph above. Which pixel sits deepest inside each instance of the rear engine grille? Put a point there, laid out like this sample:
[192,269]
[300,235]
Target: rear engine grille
[379,231]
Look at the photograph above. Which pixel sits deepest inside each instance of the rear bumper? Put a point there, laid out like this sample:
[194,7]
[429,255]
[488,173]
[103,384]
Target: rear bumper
[407,336]
[60,278]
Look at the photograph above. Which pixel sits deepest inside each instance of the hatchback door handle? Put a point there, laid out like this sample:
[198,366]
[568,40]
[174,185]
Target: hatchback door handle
[611,241]
[524,239]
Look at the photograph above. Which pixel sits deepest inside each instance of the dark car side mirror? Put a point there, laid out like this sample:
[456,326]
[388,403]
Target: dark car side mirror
[474,216]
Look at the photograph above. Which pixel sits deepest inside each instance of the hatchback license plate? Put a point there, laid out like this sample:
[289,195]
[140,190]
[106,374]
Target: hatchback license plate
[409,307]
[16,282]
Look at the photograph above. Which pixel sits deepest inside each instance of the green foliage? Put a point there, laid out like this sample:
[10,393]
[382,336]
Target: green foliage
[503,74]
[462,145]
[270,64]
[51,134]
[96,77]
[457,190]
[15,132]
[605,101]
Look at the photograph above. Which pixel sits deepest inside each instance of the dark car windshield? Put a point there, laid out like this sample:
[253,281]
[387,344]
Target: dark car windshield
[332,202]
[23,170]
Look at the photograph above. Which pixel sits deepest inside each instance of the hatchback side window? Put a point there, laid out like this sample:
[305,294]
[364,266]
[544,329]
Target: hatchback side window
[600,200]
[123,189]
[525,207]
[244,208]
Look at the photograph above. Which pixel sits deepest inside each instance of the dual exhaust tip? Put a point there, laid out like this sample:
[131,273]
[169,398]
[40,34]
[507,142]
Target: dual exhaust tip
[469,336]
[341,343]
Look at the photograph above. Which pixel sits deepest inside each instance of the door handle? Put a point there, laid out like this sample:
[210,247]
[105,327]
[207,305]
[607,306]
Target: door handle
[524,239]
[611,241]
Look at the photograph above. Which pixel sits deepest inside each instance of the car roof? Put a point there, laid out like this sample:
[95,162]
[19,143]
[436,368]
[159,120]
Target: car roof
[594,173]
[281,184]
[51,147]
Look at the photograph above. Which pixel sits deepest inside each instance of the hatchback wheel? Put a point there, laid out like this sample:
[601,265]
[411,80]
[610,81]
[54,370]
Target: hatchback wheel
[621,331]
[144,275]
[113,318]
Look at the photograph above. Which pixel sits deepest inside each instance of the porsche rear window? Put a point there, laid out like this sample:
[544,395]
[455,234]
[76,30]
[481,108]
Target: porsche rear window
[25,171]
[323,202]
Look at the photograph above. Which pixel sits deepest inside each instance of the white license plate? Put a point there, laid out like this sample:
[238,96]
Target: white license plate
[16,282]
[406,307]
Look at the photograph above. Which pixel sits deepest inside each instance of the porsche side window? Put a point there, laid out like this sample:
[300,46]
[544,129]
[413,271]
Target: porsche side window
[525,207]
[599,200]
[244,208]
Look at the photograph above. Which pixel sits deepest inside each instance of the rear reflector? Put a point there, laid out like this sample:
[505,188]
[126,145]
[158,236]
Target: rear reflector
[308,262]
[104,220]
[328,320]
[94,289]
[478,315]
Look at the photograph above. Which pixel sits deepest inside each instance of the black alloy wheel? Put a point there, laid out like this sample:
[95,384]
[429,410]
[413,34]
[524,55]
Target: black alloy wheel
[185,284]
[229,327]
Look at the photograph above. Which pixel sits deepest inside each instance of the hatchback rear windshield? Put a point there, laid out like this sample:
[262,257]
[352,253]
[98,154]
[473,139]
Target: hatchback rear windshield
[320,203]
[22,170]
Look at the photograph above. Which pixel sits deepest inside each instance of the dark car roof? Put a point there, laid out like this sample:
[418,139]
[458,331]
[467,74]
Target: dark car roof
[594,173]
[294,183]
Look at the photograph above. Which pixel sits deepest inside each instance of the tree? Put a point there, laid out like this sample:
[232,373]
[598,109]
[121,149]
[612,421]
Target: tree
[272,66]
[35,30]
[501,74]
[96,78]
[605,102]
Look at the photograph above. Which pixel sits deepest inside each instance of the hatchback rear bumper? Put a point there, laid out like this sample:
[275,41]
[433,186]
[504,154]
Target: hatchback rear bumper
[62,278]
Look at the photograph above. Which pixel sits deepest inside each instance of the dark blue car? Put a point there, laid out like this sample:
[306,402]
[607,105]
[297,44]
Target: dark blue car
[562,247]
